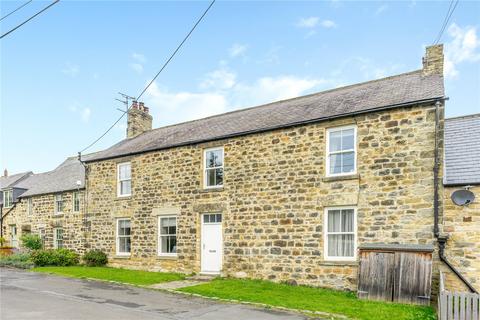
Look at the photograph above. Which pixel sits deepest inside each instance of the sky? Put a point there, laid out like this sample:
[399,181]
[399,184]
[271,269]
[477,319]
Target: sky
[61,72]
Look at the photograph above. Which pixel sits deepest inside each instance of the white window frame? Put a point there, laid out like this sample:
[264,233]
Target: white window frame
[205,176]
[159,240]
[55,238]
[77,195]
[326,233]
[30,206]
[328,153]
[119,189]
[5,197]
[117,238]
[57,211]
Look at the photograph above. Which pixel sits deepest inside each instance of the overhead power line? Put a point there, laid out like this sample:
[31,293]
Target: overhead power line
[446,20]
[36,14]
[23,5]
[154,78]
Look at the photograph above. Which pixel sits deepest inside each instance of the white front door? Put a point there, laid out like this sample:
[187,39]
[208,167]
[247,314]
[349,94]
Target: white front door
[212,243]
[13,236]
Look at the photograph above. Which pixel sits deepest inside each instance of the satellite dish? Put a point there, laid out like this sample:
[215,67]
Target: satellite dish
[463,197]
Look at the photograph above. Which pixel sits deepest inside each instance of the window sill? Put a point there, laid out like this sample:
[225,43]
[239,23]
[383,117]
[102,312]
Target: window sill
[58,215]
[341,177]
[119,198]
[167,257]
[122,256]
[206,190]
[338,263]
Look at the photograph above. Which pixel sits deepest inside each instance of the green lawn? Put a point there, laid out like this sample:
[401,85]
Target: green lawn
[140,278]
[307,298]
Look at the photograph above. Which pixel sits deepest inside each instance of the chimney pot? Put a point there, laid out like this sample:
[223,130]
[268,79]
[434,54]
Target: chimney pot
[5,173]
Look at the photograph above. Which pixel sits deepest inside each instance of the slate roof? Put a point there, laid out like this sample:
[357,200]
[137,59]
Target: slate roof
[9,181]
[390,92]
[62,178]
[462,150]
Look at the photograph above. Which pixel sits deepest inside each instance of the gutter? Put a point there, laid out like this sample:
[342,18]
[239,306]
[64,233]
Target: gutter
[442,240]
[293,124]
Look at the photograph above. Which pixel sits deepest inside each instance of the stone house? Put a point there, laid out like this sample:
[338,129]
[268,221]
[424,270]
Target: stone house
[50,204]
[284,191]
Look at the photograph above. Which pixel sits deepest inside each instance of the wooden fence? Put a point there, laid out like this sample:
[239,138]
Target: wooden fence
[457,305]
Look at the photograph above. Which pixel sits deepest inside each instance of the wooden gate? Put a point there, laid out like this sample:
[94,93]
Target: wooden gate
[400,273]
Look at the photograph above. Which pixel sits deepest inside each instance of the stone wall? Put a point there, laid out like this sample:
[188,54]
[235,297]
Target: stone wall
[43,217]
[462,224]
[273,200]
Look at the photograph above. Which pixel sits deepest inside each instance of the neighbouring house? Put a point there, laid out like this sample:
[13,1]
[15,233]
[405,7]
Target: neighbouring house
[9,193]
[50,204]
[462,222]
[297,190]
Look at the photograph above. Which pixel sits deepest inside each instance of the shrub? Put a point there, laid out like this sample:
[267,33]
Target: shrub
[57,257]
[95,258]
[31,241]
[2,241]
[18,260]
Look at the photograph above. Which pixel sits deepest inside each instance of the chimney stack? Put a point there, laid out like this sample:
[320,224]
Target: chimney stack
[139,119]
[5,173]
[433,60]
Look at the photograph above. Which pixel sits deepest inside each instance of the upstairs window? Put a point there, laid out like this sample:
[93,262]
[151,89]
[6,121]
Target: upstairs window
[30,206]
[76,201]
[59,203]
[167,240]
[123,237]
[8,198]
[213,168]
[58,238]
[124,178]
[341,151]
[340,234]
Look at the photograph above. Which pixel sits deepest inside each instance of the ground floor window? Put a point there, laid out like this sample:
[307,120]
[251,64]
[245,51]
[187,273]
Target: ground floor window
[340,233]
[58,238]
[123,237]
[13,236]
[167,235]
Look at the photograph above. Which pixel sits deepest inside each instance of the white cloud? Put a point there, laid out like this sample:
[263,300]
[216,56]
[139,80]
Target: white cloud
[78,109]
[139,57]
[269,89]
[463,47]
[71,69]
[219,79]
[310,22]
[328,24]
[367,68]
[172,107]
[237,49]
[86,112]
[137,67]
[381,9]
[139,61]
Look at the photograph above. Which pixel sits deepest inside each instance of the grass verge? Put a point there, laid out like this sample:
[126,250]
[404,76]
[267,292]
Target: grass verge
[308,298]
[135,277]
